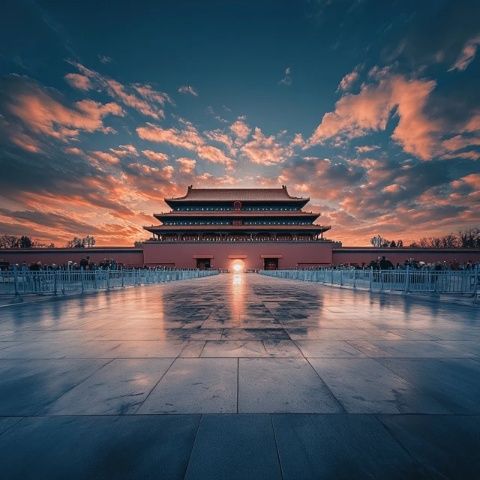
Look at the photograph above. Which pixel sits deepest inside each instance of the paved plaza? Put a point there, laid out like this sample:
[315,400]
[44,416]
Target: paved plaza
[239,376]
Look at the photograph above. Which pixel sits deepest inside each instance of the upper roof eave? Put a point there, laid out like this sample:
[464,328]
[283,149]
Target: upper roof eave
[234,194]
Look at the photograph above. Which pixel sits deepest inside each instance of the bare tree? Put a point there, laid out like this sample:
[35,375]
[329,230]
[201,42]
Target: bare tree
[379,242]
[85,242]
[9,241]
[25,242]
[89,241]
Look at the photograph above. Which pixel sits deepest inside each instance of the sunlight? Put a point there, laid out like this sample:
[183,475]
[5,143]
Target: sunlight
[238,266]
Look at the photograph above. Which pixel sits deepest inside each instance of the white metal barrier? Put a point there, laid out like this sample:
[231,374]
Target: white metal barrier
[22,281]
[466,282]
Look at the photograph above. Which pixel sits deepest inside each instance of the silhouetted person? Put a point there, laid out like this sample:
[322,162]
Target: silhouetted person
[385,264]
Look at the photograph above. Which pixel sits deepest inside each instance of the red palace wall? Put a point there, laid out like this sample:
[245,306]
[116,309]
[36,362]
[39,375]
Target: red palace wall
[132,257]
[289,254]
[359,255]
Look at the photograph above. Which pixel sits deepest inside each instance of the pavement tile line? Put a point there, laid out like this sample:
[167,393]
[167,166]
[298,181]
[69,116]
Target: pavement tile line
[400,443]
[155,386]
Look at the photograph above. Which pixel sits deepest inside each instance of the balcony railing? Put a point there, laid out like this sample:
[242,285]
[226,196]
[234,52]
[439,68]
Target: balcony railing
[238,239]
[21,282]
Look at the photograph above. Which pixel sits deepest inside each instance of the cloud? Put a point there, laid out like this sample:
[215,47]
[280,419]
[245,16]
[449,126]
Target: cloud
[104,59]
[188,90]
[459,142]
[117,90]
[240,128]
[371,109]
[287,77]
[24,141]
[105,157]
[187,165]
[265,150]
[43,112]
[141,97]
[155,156]
[149,93]
[221,137]
[79,81]
[187,138]
[125,151]
[348,80]
[366,148]
[54,220]
[214,155]
[467,54]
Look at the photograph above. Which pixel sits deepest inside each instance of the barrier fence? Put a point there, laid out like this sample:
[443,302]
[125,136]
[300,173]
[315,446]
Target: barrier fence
[464,282]
[53,282]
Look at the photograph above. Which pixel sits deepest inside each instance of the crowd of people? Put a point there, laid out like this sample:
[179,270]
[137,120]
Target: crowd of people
[84,264]
[383,263]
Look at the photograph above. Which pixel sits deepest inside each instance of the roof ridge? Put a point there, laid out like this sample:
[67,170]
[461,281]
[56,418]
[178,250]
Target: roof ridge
[223,193]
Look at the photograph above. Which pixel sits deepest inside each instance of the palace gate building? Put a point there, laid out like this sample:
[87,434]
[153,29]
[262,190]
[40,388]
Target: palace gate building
[237,228]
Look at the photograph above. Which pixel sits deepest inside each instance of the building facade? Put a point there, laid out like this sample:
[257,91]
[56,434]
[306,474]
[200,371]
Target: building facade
[247,228]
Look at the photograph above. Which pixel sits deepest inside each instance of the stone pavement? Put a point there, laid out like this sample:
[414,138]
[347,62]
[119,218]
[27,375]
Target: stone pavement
[239,376]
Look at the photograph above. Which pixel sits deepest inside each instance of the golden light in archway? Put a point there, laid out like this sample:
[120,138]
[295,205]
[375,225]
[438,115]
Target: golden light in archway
[238,266]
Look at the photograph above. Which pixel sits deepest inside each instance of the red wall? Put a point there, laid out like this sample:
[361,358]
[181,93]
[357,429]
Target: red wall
[291,253]
[60,256]
[359,255]
[182,255]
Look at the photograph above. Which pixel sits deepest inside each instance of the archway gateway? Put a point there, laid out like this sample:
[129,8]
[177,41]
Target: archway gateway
[237,266]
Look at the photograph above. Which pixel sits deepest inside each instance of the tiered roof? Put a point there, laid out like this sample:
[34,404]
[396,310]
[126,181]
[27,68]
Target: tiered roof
[236,194]
[255,203]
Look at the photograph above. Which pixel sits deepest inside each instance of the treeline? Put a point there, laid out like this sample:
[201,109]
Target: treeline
[11,241]
[463,239]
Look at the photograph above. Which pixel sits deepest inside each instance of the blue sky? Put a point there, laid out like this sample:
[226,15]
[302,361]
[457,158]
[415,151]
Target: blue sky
[370,108]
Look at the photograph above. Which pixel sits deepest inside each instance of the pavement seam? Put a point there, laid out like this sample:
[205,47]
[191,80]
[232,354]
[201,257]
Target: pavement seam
[76,385]
[238,382]
[155,386]
[19,419]
[343,409]
[193,445]
[402,446]
[276,446]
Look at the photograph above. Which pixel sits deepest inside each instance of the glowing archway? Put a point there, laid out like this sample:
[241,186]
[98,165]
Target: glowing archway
[237,266]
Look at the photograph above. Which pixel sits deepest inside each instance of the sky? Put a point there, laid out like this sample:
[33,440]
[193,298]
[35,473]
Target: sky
[369,108]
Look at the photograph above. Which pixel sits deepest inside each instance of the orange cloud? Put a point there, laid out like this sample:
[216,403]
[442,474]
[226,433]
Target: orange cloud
[188,138]
[214,155]
[265,150]
[105,157]
[140,97]
[155,156]
[467,54]
[370,110]
[347,81]
[43,114]
[240,129]
[187,165]
[458,142]
[79,81]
